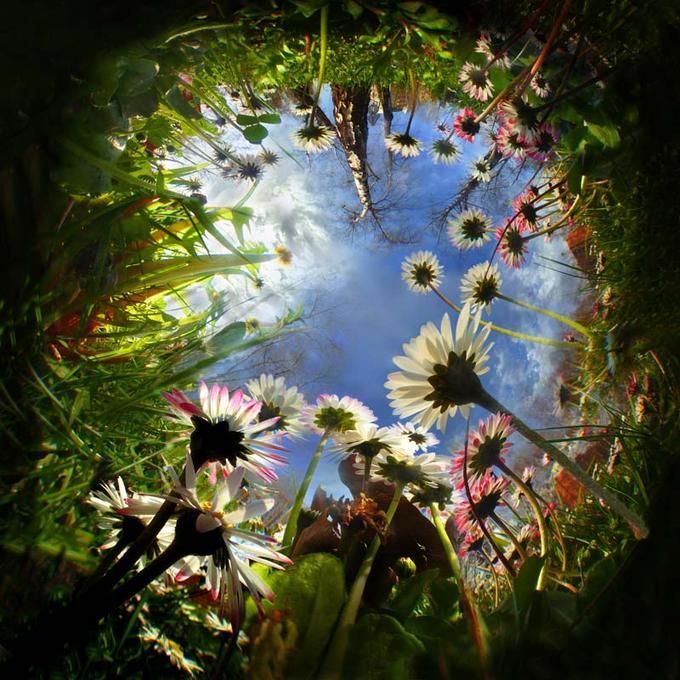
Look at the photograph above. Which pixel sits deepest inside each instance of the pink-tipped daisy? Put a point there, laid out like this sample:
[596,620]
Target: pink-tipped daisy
[475,81]
[513,246]
[465,125]
[227,430]
[486,447]
[526,208]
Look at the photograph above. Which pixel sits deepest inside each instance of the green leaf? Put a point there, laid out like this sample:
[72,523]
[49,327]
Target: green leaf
[270,118]
[354,8]
[255,133]
[138,77]
[176,101]
[607,135]
[243,119]
[381,649]
[410,591]
[524,588]
[224,342]
[311,593]
[309,7]
[444,596]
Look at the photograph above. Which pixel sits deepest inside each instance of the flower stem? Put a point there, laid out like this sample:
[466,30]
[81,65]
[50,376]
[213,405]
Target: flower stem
[508,532]
[580,328]
[536,507]
[469,606]
[323,49]
[332,668]
[506,331]
[636,523]
[291,526]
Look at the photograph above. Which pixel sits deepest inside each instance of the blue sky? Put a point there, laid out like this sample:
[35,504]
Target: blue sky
[367,310]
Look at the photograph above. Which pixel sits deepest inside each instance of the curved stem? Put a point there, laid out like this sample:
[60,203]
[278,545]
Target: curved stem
[547,312]
[414,100]
[109,558]
[291,526]
[636,523]
[332,668]
[506,331]
[469,606]
[536,507]
[368,462]
[323,48]
[508,532]
[495,577]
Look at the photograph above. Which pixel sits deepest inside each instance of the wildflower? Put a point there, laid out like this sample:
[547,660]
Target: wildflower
[335,415]
[475,81]
[419,437]
[228,551]
[470,229]
[489,44]
[423,470]
[544,143]
[247,169]
[403,144]
[221,156]
[421,270]
[513,246]
[368,440]
[284,256]
[268,157]
[444,151]
[465,125]
[227,430]
[522,118]
[124,516]
[481,170]
[440,372]
[486,493]
[314,138]
[280,405]
[540,85]
[302,110]
[510,143]
[486,448]
[480,285]
[527,214]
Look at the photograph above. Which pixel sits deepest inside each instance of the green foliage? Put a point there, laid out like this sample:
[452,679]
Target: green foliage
[380,648]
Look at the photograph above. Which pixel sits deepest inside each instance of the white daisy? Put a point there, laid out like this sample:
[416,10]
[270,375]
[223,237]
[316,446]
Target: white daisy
[426,469]
[444,151]
[481,170]
[540,85]
[333,414]
[489,44]
[226,429]
[440,372]
[314,138]
[470,229]
[367,440]
[475,82]
[226,550]
[124,515]
[403,144]
[418,436]
[278,401]
[421,270]
[480,285]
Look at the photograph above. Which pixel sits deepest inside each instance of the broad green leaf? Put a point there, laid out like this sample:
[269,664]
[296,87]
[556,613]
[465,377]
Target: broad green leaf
[410,591]
[311,593]
[177,102]
[524,588]
[309,7]
[227,339]
[354,8]
[444,596]
[607,135]
[255,133]
[138,77]
[270,118]
[381,649]
[244,119]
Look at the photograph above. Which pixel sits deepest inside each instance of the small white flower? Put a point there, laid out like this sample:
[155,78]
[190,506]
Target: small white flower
[480,285]
[471,229]
[418,436]
[475,82]
[439,372]
[333,414]
[481,170]
[278,401]
[444,151]
[421,270]
[314,138]
[403,144]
